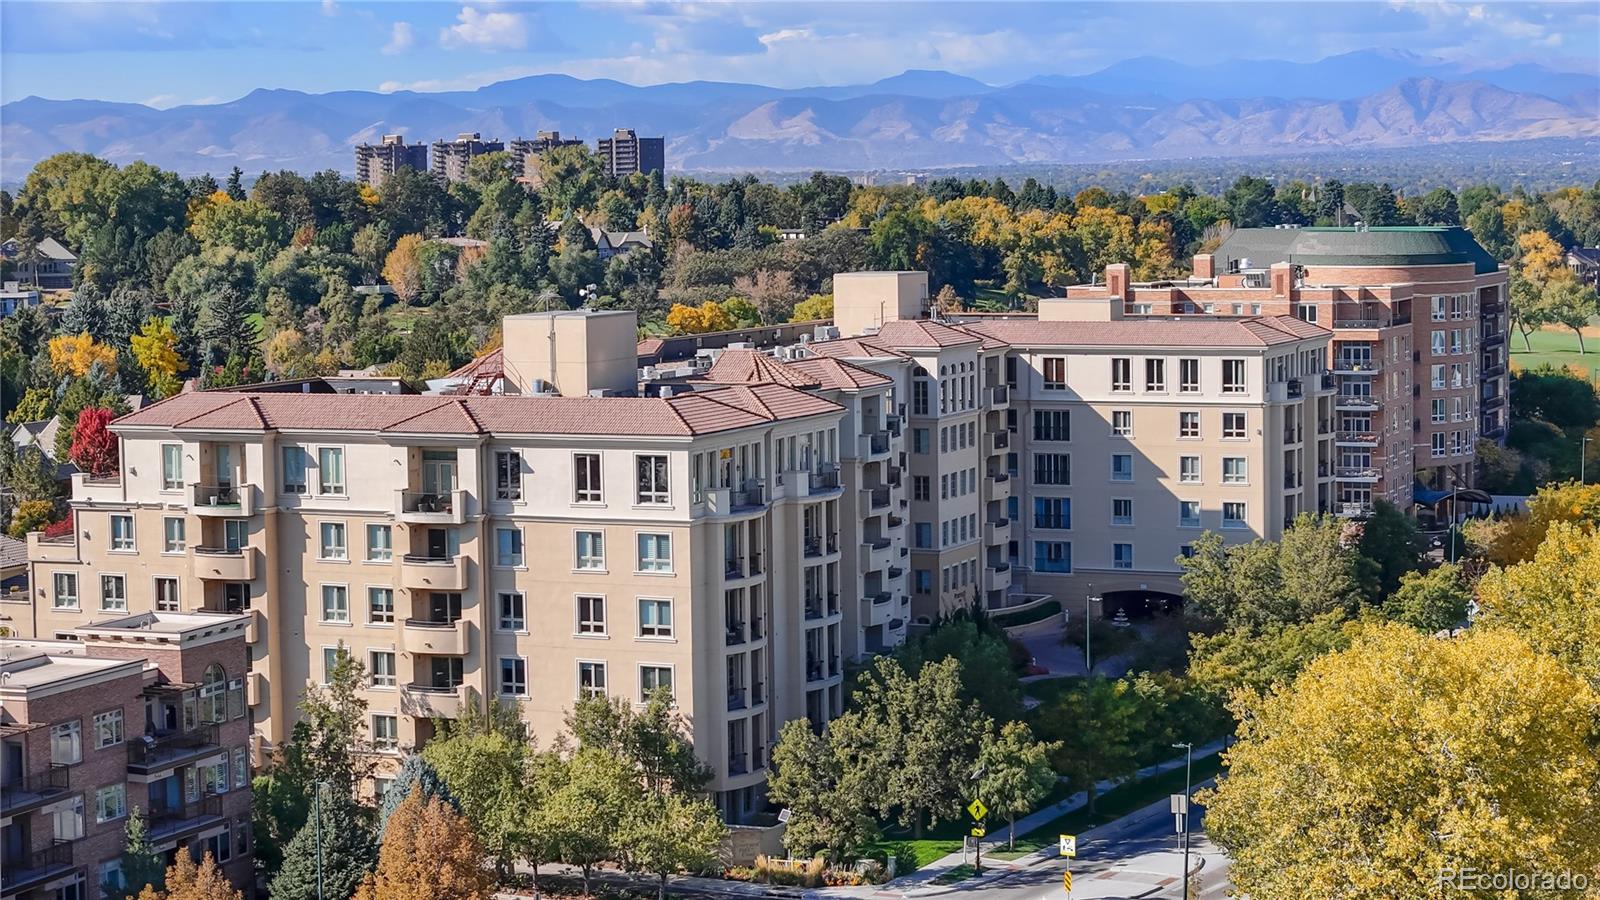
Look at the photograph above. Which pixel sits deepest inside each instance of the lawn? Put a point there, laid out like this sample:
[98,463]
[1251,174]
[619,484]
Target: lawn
[1110,806]
[1559,348]
[940,841]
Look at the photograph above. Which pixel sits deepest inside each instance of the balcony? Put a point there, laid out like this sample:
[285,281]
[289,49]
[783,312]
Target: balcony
[999,486]
[997,578]
[752,498]
[61,548]
[1362,474]
[431,507]
[875,498]
[997,441]
[435,637]
[152,752]
[35,868]
[876,554]
[175,822]
[1355,439]
[230,500]
[1494,371]
[1353,510]
[1357,401]
[1494,340]
[433,573]
[736,697]
[254,683]
[735,633]
[814,669]
[1357,365]
[802,483]
[999,397]
[34,790]
[997,532]
[874,444]
[223,564]
[1359,324]
[433,701]
[252,626]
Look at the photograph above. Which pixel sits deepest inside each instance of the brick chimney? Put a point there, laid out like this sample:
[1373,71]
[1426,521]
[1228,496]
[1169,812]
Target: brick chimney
[1205,265]
[1117,277]
[1282,279]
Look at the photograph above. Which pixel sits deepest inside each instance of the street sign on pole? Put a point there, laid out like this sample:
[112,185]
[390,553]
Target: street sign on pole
[1069,846]
[1180,804]
[978,810]
[979,831]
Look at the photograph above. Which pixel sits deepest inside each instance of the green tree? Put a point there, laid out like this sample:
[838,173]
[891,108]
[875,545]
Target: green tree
[1251,203]
[1436,207]
[988,677]
[1259,659]
[336,745]
[1405,757]
[415,772]
[1391,544]
[347,852]
[570,179]
[667,834]
[228,327]
[142,864]
[484,771]
[1431,601]
[1095,727]
[814,307]
[825,811]
[600,791]
[1570,303]
[1016,773]
[653,740]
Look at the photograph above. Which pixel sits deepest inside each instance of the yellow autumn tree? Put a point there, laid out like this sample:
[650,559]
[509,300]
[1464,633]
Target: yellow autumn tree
[1406,757]
[429,853]
[1516,538]
[401,270]
[156,349]
[812,308]
[77,353]
[708,316]
[1553,599]
[187,881]
[1540,258]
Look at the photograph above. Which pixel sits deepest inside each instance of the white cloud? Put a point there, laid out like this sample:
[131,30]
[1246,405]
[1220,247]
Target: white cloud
[161,101]
[330,7]
[485,31]
[402,37]
[786,34]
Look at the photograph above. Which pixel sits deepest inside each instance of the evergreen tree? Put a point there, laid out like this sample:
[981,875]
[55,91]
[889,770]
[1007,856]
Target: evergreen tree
[415,772]
[348,853]
[236,184]
[142,863]
[225,324]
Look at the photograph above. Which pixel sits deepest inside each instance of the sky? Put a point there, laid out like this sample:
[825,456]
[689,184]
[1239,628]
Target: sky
[171,53]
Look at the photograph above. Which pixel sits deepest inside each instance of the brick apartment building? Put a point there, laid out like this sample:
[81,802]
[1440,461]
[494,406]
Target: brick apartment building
[375,162]
[625,153]
[450,158]
[146,711]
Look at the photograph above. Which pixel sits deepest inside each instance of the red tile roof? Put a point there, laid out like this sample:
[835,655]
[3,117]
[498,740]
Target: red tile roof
[684,415]
[1264,331]
[753,367]
[493,361]
[838,374]
[919,334]
[853,348]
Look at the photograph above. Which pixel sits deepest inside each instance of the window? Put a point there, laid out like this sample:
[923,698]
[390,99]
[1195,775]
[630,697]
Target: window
[330,470]
[1121,374]
[66,743]
[1189,513]
[381,665]
[1189,376]
[1052,556]
[1052,512]
[172,467]
[1437,376]
[385,732]
[652,489]
[69,820]
[380,605]
[1233,515]
[513,676]
[655,553]
[1121,467]
[335,603]
[922,535]
[107,729]
[110,802]
[1052,468]
[172,535]
[1233,376]
[1121,511]
[1122,556]
[330,661]
[167,594]
[1437,443]
[1437,408]
[1436,343]
[655,618]
[920,487]
[1189,469]
[591,550]
[507,475]
[333,546]
[66,590]
[1055,373]
[591,679]
[1233,425]
[380,543]
[1052,425]
[919,397]
[513,613]
[1235,470]
[235,534]
[591,615]
[586,478]
[121,532]
[1189,424]
[294,470]
[1122,422]
[508,547]
[1155,375]
[653,677]
[111,874]
[113,593]
[1437,304]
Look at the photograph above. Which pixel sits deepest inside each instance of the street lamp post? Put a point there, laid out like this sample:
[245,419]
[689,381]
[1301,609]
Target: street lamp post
[1188,768]
[1088,613]
[1583,460]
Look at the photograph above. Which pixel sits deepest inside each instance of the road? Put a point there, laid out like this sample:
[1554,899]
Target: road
[1135,857]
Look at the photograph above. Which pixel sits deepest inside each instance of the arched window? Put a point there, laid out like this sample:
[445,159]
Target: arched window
[214,694]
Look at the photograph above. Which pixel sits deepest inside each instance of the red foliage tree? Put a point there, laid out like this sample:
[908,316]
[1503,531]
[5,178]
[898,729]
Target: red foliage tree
[94,447]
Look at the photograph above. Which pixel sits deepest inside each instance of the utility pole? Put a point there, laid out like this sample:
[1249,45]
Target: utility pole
[1583,460]
[1188,768]
[1088,604]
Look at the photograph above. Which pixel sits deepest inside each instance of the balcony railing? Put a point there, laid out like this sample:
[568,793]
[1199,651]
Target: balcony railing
[1357,401]
[999,395]
[1362,472]
[736,765]
[825,478]
[36,867]
[34,789]
[1355,437]
[183,816]
[153,750]
[878,496]
[735,633]
[735,698]
[1360,323]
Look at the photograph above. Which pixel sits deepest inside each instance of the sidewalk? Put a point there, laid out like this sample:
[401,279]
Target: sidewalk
[918,883]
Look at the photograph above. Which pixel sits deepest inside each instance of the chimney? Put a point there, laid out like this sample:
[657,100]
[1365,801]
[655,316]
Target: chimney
[1282,279]
[1117,277]
[1205,266]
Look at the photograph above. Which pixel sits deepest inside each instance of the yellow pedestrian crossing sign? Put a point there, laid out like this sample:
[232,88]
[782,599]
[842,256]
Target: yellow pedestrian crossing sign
[978,810]
[1066,880]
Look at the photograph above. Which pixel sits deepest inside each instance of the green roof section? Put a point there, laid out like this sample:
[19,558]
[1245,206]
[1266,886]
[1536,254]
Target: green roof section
[1397,245]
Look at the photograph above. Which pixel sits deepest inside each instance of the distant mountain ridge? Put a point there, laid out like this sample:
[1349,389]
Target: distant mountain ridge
[919,119]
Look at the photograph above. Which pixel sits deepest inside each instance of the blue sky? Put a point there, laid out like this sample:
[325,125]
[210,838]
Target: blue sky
[168,53]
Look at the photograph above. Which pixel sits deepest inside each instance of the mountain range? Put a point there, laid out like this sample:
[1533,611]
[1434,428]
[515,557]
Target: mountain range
[1136,109]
